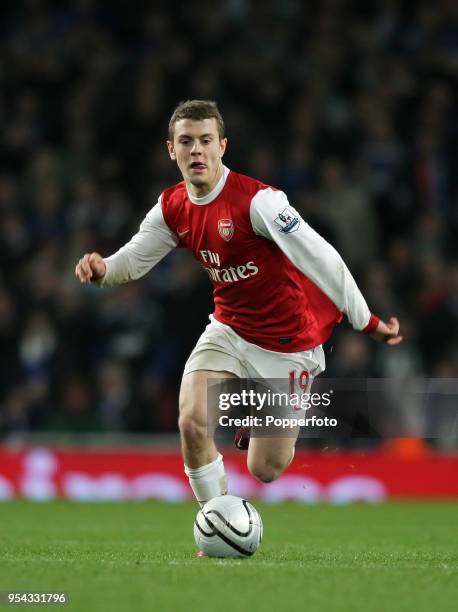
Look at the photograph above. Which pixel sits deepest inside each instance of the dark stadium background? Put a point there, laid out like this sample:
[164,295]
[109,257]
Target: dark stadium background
[347,106]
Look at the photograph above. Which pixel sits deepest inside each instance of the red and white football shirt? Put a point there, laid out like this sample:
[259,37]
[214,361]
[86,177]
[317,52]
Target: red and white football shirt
[276,282]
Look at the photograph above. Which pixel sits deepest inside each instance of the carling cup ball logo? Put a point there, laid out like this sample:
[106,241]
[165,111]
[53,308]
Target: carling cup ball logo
[226,229]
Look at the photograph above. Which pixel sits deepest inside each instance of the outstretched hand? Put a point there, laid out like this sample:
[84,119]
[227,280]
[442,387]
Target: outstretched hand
[387,332]
[90,267]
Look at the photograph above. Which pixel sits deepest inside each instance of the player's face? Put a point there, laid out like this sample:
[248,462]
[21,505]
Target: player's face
[198,151]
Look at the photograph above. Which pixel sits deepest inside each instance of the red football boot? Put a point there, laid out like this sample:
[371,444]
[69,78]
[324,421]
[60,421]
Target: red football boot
[242,438]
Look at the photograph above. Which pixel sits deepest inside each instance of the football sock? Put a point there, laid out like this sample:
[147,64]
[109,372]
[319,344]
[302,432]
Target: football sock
[208,481]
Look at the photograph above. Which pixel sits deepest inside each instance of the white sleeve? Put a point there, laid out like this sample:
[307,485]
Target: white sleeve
[274,218]
[143,251]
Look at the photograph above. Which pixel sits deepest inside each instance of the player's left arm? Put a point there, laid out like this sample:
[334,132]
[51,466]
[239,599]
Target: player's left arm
[274,218]
[387,332]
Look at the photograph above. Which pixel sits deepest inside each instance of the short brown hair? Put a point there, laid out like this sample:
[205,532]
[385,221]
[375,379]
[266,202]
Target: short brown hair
[196,110]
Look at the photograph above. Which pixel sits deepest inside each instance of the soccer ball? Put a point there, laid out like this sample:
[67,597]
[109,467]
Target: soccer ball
[228,526]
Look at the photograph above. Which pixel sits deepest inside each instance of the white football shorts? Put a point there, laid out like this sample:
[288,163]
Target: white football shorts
[220,349]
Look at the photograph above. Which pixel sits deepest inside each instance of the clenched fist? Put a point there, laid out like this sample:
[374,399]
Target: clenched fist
[90,267]
[388,332]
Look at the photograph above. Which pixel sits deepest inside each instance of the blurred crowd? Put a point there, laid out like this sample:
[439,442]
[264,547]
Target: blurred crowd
[348,106]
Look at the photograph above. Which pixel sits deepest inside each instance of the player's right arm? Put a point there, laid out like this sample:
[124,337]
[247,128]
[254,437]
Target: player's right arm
[145,249]
[90,268]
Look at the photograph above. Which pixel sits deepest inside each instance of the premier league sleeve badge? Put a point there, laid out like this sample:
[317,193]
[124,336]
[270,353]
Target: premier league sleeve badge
[288,221]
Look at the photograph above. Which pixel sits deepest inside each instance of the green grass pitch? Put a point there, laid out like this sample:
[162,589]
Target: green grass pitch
[141,556]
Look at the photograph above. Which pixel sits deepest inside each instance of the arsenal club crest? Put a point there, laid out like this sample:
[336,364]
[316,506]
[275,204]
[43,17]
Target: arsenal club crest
[226,229]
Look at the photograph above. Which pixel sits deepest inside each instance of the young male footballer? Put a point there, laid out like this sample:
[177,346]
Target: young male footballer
[279,288]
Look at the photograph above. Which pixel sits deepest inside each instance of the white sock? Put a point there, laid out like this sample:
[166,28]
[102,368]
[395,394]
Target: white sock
[208,481]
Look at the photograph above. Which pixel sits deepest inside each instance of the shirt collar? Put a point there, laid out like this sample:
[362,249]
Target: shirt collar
[214,193]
